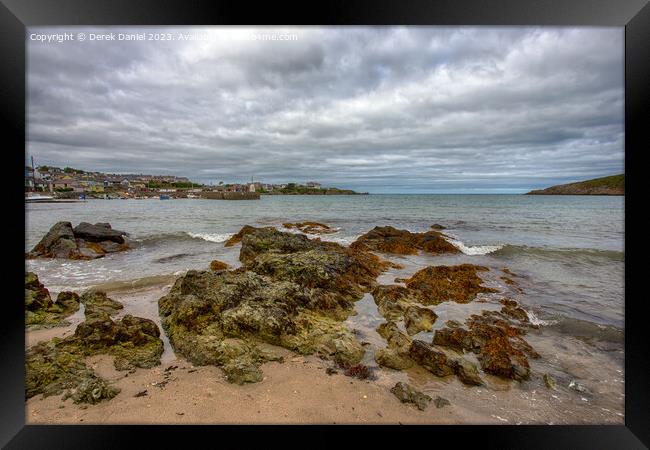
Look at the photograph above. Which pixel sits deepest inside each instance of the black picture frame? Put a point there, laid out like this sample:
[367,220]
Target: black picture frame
[16,15]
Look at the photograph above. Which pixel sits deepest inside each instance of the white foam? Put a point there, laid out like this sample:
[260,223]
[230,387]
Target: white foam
[215,237]
[474,250]
[533,319]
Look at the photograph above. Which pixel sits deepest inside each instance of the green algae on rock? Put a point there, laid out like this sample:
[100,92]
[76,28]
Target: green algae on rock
[408,394]
[97,302]
[40,310]
[291,291]
[57,366]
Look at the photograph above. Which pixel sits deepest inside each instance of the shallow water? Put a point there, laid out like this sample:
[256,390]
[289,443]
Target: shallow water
[567,253]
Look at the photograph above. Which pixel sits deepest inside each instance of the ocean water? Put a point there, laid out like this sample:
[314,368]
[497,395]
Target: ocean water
[568,250]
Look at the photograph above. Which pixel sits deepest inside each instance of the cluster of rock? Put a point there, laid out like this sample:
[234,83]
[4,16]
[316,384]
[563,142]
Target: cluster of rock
[40,310]
[290,291]
[402,242]
[85,241]
[495,337]
[310,227]
[57,366]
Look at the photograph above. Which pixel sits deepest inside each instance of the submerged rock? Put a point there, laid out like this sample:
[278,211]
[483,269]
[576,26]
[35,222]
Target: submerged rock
[40,311]
[392,358]
[441,402]
[56,366]
[402,242]
[407,394]
[85,241]
[310,227]
[417,319]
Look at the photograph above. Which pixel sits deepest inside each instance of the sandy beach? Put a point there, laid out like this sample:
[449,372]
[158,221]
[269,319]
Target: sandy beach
[299,391]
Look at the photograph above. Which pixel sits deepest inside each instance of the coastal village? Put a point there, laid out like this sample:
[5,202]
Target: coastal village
[73,183]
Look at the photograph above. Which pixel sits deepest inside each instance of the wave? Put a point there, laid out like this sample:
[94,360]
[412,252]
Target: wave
[473,250]
[154,239]
[211,237]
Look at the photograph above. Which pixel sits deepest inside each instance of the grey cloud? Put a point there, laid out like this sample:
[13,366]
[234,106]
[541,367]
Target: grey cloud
[379,109]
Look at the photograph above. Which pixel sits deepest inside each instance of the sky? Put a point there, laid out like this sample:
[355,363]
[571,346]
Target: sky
[375,109]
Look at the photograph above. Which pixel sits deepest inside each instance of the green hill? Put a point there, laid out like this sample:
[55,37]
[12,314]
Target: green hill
[613,185]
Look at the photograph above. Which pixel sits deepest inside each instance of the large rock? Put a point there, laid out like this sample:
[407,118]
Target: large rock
[291,291]
[85,241]
[98,232]
[392,240]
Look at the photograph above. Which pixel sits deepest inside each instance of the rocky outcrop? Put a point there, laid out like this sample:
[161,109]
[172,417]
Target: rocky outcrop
[85,241]
[402,242]
[57,366]
[291,291]
[436,284]
[614,185]
[408,394]
[497,342]
[310,227]
[40,310]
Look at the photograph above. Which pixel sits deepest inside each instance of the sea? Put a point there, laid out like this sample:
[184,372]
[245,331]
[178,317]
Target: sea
[566,254]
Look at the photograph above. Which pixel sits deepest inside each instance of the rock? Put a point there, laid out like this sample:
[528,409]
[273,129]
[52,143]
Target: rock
[236,238]
[56,366]
[360,371]
[578,387]
[466,371]
[92,390]
[310,227]
[434,361]
[549,382]
[60,230]
[391,240]
[441,402]
[40,311]
[203,309]
[85,241]
[407,394]
[395,338]
[391,358]
[37,297]
[97,302]
[436,284]
[417,319]
[442,365]
[456,338]
[437,226]
[68,301]
[218,265]
[98,233]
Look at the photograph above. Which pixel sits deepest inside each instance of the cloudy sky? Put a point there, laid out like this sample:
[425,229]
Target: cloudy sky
[377,109]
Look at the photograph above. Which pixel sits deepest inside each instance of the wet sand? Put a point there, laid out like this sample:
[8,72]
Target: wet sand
[300,391]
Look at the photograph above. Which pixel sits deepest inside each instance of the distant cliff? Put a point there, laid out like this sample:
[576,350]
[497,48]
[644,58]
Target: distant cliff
[614,185]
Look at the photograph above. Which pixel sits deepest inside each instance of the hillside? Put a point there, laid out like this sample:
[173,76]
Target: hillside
[613,185]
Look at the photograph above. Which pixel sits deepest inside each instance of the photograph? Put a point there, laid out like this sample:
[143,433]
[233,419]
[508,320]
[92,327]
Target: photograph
[325,225]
